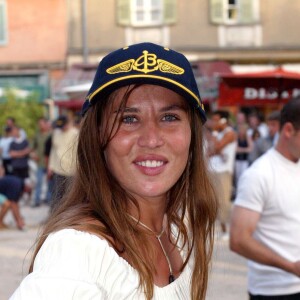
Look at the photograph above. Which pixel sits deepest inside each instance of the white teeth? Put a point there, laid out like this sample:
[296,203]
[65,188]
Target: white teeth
[150,163]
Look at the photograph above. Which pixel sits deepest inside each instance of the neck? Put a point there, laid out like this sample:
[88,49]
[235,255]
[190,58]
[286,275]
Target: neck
[158,234]
[151,213]
[283,149]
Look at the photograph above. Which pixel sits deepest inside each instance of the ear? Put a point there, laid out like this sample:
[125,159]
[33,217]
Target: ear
[288,129]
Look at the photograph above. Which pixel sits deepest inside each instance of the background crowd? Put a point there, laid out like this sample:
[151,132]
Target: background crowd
[34,171]
[44,164]
[234,142]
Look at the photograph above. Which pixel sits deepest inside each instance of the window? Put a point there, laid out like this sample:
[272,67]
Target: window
[232,12]
[141,13]
[146,12]
[3,23]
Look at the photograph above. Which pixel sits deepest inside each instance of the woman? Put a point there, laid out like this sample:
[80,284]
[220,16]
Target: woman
[138,220]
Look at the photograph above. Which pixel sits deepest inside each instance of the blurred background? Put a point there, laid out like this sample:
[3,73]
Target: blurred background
[49,49]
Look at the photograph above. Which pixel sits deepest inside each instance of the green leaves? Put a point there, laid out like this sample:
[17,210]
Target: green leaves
[26,111]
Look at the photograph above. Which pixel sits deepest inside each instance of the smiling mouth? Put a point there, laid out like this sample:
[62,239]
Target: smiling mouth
[150,163]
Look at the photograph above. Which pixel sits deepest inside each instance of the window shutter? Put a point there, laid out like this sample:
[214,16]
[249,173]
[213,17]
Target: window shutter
[246,12]
[217,11]
[170,11]
[123,12]
[2,23]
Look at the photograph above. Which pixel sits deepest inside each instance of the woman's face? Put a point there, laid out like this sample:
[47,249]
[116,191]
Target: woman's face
[149,152]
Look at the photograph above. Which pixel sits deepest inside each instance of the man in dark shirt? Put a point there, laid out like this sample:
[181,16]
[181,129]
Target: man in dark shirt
[19,152]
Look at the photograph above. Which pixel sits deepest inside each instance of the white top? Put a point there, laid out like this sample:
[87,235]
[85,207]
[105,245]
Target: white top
[78,265]
[262,129]
[224,162]
[271,186]
[4,145]
[63,151]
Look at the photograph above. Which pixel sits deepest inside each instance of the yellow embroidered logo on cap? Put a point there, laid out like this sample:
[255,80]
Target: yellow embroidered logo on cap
[146,63]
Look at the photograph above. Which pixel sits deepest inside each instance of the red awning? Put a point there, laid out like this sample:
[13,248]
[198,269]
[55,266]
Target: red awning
[255,89]
[73,104]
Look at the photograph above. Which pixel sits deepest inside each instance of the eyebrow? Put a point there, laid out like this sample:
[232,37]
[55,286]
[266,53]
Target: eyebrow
[163,109]
[173,107]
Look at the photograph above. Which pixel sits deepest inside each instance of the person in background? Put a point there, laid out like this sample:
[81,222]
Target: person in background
[11,189]
[222,159]
[244,147]
[137,222]
[49,177]
[61,165]
[19,152]
[11,122]
[256,122]
[255,135]
[262,144]
[265,225]
[38,155]
[5,142]
[241,119]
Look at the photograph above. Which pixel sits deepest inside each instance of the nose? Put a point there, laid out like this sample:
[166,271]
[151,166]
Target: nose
[151,136]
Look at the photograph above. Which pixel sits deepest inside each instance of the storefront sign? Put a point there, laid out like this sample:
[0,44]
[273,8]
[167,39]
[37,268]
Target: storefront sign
[269,94]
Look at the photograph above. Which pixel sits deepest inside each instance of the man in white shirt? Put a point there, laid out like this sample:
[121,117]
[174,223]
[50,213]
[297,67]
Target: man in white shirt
[265,225]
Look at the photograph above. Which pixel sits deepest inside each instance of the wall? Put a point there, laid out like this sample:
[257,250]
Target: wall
[37,32]
[281,22]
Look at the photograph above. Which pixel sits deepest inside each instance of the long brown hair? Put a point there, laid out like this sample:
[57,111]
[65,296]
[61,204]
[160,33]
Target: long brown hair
[96,203]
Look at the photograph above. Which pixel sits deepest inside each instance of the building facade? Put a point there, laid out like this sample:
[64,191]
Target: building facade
[237,31]
[33,44]
[247,35]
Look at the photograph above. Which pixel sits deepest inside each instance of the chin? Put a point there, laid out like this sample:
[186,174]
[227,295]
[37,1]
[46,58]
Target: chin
[152,191]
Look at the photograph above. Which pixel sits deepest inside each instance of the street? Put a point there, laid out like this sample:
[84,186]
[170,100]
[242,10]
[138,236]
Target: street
[227,282]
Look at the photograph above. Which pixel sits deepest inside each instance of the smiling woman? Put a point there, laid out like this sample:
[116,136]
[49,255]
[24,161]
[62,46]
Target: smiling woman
[149,151]
[138,220]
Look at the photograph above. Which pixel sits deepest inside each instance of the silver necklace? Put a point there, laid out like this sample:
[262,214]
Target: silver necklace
[158,236]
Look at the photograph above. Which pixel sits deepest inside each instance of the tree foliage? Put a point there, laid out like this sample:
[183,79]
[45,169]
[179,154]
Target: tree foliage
[26,111]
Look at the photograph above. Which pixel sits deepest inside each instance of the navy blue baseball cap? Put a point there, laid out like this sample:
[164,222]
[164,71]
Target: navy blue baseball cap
[145,63]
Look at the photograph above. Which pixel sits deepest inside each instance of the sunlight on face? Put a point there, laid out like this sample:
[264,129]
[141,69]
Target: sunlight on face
[149,151]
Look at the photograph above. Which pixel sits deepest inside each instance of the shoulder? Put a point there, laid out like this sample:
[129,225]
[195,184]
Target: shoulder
[80,255]
[82,260]
[68,266]
[255,184]
[259,170]
[69,245]
[13,143]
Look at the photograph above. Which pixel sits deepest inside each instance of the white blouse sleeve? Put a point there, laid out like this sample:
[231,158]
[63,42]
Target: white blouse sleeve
[66,267]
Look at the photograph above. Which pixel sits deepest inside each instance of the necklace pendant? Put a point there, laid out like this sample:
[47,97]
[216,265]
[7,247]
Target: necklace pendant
[171,278]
